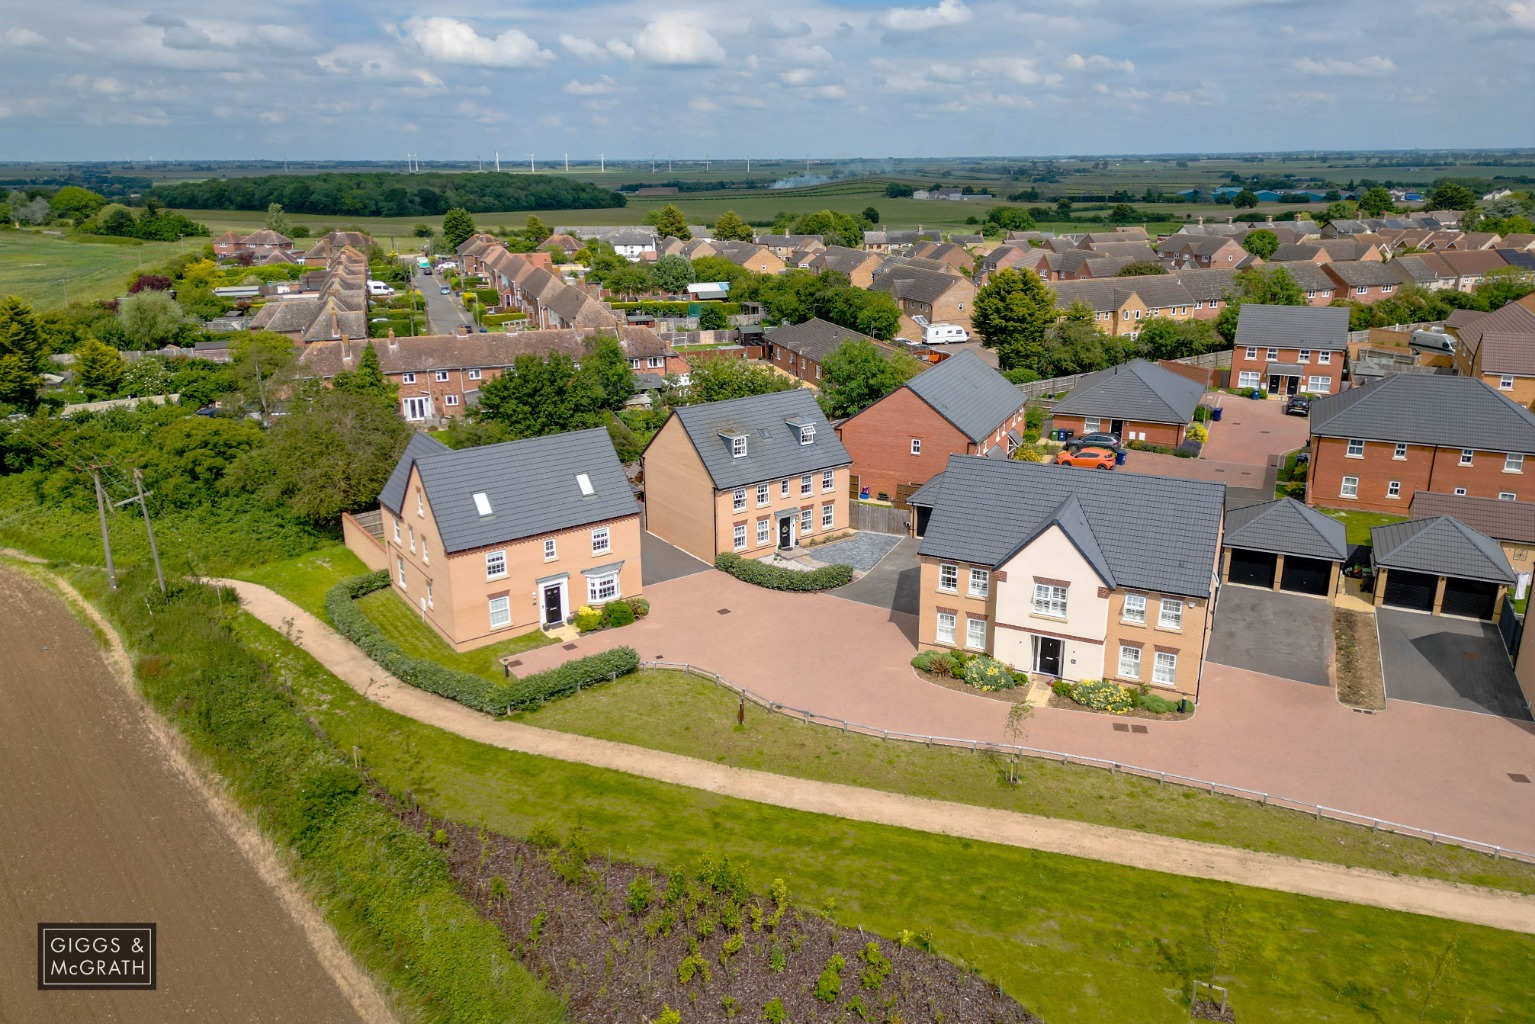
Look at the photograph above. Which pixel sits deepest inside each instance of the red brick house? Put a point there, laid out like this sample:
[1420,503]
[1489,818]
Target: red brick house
[1361,281]
[1202,252]
[1375,446]
[1139,401]
[799,349]
[1287,350]
[959,407]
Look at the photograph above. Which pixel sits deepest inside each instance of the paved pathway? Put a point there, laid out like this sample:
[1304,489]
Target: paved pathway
[1096,842]
[1251,431]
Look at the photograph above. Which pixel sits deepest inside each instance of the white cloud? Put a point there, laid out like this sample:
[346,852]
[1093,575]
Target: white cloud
[24,38]
[797,76]
[601,87]
[454,42]
[778,26]
[703,106]
[920,19]
[1098,62]
[675,43]
[1519,12]
[1364,67]
[588,49]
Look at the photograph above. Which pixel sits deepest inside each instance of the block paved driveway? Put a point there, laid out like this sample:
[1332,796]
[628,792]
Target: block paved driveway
[1448,662]
[1252,431]
[1418,765]
[1286,635]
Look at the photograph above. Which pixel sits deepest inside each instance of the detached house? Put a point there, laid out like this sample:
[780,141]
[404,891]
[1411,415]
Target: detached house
[1070,574]
[748,475]
[1498,348]
[1288,350]
[1375,446]
[800,349]
[936,296]
[1139,401]
[486,543]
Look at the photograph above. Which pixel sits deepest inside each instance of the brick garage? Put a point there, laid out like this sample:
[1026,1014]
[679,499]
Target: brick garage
[1139,401]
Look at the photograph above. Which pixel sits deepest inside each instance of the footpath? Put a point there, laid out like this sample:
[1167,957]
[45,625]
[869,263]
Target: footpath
[1430,897]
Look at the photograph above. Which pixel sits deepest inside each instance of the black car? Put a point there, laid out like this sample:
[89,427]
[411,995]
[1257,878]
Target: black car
[1097,439]
[1298,405]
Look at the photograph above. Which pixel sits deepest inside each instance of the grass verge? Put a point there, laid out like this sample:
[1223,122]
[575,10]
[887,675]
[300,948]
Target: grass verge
[402,624]
[1357,524]
[305,579]
[1073,940]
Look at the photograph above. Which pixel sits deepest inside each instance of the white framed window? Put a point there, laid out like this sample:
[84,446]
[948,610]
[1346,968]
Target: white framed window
[948,578]
[1050,600]
[474,374]
[1305,356]
[1164,670]
[429,602]
[420,504]
[762,494]
[1249,379]
[1386,288]
[442,376]
[655,362]
[1135,608]
[1400,452]
[737,447]
[1466,455]
[1506,382]
[1349,487]
[602,588]
[1252,352]
[634,364]
[738,499]
[980,582]
[410,532]
[1361,289]
[1310,293]
[975,634]
[500,612]
[739,538]
[764,532]
[449,399]
[1319,385]
[1394,489]
[806,521]
[400,562]
[806,486]
[1355,448]
[1323,358]
[407,378]
[396,531]
[807,434]
[495,564]
[1513,462]
[828,480]
[602,542]
[946,627]
[783,488]
[1273,355]
[916,446]
[828,516]
[1170,615]
[1129,662]
[1507,496]
[551,549]
[426,558]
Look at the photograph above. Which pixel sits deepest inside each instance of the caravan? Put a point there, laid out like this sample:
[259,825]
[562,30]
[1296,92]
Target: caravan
[944,334]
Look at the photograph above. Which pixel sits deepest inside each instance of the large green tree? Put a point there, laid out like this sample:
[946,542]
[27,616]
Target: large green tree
[1269,286]
[98,369]
[670,223]
[152,319]
[21,334]
[673,272]
[76,203]
[1012,314]
[1245,199]
[731,228]
[715,380]
[538,397]
[873,313]
[367,379]
[1161,338]
[857,373]
[1261,243]
[263,365]
[834,227]
[277,220]
[608,366]
[1450,195]
[1375,202]
[457,227]
[19,382]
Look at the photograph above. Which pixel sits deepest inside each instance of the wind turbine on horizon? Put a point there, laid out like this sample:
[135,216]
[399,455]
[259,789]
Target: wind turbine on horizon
[567,163]
[602,163]
[498,161]
[532,168]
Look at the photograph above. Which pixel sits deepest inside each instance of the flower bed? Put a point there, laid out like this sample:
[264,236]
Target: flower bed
[1110,698]
[615,613]
[969,673]
[750,570]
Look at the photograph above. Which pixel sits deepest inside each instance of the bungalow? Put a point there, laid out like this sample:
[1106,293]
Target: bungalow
[1071,574]
[747,475]
[800,349]
[489,542]
[959,407]
[1290,349]
[1138,401]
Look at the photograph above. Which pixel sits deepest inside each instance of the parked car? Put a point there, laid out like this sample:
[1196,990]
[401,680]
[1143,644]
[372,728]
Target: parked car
[1095,458]
[445,290]
[1298,405]
[1100,439]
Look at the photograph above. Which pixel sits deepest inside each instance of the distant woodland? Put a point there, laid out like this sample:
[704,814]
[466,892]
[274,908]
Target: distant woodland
[390,195]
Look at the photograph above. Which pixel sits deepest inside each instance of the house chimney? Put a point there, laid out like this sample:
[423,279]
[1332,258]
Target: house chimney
[1271,218]
[1201,222]
[346,349]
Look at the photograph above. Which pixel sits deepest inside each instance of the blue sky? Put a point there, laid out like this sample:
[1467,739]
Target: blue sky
[831,79]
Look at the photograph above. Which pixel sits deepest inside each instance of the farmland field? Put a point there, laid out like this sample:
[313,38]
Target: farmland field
[49,271]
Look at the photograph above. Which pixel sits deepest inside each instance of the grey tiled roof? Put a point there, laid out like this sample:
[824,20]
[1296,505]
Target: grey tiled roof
[531,486]
[1286,527]
[1145,532]
[969,394]
[1309,327]
[1139,391]
[420,446]
[1451,412]
[1512,521]
[772,447]
[1442,546]
[1362,272]
[928,493]
[815,338]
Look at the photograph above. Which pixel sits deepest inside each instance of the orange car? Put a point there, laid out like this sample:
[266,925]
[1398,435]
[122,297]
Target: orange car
[1095,458]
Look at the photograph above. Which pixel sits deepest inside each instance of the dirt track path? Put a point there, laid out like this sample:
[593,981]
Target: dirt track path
[106,821]
[1447,900]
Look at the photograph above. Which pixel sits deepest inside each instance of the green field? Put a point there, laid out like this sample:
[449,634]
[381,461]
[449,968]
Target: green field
[1073,940]
[50,271]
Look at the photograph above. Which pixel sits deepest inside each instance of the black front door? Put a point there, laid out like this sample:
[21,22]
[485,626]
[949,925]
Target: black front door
[1117,428]
[1273,383]
[785,533]
[1292,385]
[553,613]
[1047,656]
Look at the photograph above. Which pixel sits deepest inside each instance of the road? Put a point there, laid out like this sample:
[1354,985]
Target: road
[444,313]
[102,827]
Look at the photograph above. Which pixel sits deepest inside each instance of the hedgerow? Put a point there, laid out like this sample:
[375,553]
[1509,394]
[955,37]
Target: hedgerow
[751,570]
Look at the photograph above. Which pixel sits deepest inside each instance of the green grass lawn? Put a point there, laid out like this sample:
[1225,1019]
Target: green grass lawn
[1358,523]
[402,624]
[683,714]
[305,579]
[50,272]
[1073,940]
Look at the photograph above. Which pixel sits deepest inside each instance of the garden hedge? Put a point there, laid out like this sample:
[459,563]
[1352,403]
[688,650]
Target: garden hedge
[477,692]
[750,570]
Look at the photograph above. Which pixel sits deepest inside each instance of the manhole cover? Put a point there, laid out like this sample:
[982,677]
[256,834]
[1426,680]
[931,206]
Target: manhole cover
[1121,727]
[514,664]
[568,647]
[1516,777]
[724,611]
[1139,728]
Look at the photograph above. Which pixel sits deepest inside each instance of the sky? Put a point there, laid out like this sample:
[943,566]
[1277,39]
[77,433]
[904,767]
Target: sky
[826,79]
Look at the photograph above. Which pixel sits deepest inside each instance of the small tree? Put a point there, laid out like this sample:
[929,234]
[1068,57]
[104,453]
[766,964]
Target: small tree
[673,272]
[871,215]
[1246,199]
[457,227]
[98,369]
[1261,243]
[276,220]
[712,318]
[1375,202]
[670,223]
[1016,730]
[731,228]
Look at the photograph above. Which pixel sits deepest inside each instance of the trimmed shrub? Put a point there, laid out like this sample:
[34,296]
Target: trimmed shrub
[488,296]
[1061,688]
[1157,705]
[1146,446]
[750,570]
[1188,450]
[617,613]
[1197,432]
[922,661]
[588,618]
[1102,695]
[1201,413]
[988,674]
[477,692]
[639,606]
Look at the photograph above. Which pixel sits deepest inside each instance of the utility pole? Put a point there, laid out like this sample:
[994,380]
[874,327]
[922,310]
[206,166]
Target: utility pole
[138,483]
[101,511]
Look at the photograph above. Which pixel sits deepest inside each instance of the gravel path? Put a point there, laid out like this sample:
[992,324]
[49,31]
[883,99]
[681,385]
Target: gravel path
[1150,852]
[862,550]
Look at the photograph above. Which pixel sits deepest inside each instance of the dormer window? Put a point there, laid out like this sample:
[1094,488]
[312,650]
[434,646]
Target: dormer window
[737,445]
[807,434]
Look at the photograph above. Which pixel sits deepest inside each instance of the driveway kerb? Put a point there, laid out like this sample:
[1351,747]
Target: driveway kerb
[1145,851]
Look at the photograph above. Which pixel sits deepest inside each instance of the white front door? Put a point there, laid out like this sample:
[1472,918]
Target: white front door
[418,408]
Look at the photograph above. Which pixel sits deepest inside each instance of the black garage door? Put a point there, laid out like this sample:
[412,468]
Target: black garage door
[1413,590]
[1306,575]
[1254,568]
[1471,598]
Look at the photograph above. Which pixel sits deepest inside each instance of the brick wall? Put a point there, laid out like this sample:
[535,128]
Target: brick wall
[1156,433]
[1313,367]
[879,439]
[1422,468]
